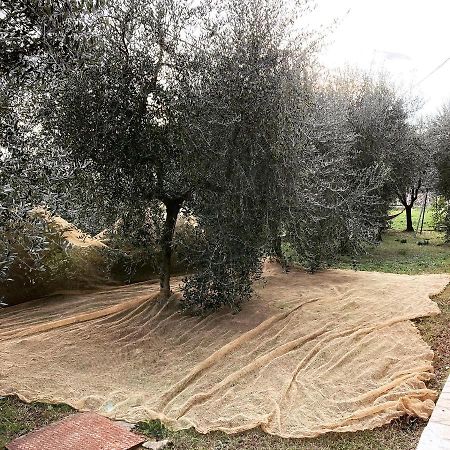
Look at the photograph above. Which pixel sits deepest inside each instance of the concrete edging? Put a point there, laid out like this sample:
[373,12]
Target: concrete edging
[436,435]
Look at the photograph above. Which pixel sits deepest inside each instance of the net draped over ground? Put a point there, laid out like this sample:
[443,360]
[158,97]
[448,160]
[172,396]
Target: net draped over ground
[308,354]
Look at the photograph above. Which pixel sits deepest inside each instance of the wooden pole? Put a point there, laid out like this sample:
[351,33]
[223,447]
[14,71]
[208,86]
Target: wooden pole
[424,207]
[419,220]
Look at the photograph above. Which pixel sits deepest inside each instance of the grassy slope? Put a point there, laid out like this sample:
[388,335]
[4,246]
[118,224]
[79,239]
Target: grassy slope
[17,418]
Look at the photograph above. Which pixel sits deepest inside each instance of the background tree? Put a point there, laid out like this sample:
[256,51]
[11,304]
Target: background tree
[410,172]
[381,119]
[439,143]
[325,194]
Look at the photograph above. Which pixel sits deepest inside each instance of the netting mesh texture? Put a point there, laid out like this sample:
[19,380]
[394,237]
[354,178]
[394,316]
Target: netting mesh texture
[309,354]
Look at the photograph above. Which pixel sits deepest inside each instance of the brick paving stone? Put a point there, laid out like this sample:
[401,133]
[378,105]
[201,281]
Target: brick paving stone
[84,431]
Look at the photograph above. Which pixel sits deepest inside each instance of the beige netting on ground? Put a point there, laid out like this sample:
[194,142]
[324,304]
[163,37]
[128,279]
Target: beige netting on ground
[334,351]
[73,235]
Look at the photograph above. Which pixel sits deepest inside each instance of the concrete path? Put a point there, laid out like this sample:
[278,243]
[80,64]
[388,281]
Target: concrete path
[436,435]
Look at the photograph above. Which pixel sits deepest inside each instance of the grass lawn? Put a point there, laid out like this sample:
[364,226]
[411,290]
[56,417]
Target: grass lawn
[395,255]
[17,418]
[399,223]
[400,252]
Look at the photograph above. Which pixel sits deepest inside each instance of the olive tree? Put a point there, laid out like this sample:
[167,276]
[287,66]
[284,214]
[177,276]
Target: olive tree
[177,104]
[438,134]
[381,119]
[31,174]
[240,103]
[330,206]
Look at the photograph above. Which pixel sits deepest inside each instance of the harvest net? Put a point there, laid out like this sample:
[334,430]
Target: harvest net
[308,354]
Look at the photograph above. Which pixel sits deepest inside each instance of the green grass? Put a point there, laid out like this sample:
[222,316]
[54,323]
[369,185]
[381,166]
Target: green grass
[399,251]
[395,255]
[18,418]
[399,223]
[399,435]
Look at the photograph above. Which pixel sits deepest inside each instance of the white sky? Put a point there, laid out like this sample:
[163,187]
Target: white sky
[405,38]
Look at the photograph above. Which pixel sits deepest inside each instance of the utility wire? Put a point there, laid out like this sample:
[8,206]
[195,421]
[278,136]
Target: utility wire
[433,72]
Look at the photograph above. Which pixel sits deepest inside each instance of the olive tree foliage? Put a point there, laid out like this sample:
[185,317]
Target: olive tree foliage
[14,204]
[36,36]
[31,174]
[179,105]
[438,138]
[330,205]
[381,119]
[240,105]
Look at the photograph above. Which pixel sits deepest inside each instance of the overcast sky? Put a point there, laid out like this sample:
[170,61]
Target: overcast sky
[406,38]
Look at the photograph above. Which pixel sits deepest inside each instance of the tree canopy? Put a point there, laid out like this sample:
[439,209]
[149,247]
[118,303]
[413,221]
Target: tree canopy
[136,110]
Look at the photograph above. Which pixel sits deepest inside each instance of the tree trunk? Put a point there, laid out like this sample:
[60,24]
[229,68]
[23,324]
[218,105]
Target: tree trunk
[409,224]
[276,245]
[172,210]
